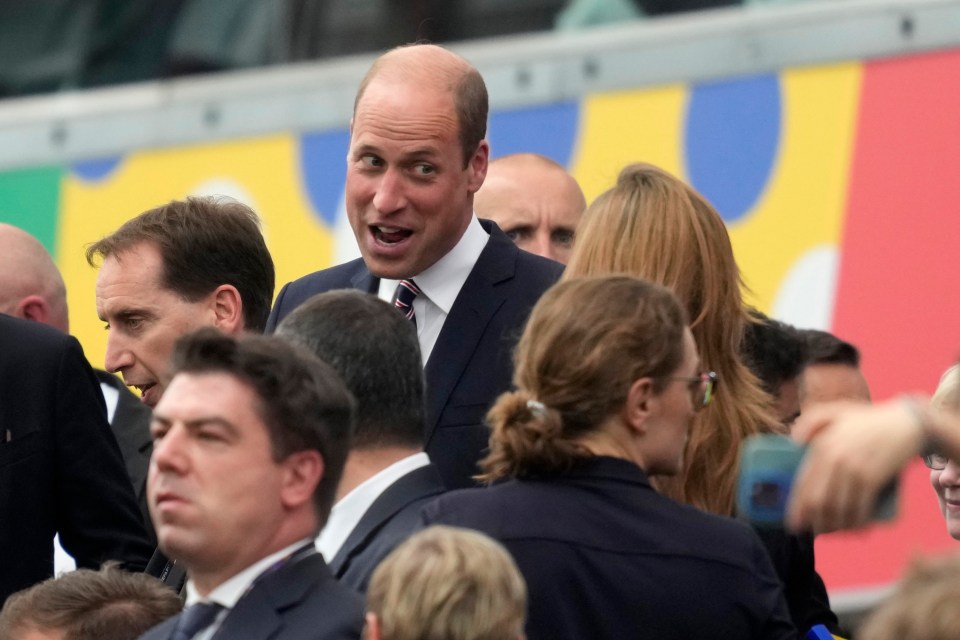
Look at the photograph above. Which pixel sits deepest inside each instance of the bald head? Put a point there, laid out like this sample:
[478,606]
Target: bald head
[430,66]
[31,286]
[535,201]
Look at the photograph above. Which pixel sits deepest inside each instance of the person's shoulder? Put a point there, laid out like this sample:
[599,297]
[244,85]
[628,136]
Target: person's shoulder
[336,277]
[25,339]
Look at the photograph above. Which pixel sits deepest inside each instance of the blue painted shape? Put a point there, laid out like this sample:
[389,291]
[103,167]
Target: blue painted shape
[549,130]
[95,170]
[323,170]
[731,137]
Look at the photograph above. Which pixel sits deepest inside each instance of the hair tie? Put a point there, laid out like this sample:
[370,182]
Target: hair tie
[537,408]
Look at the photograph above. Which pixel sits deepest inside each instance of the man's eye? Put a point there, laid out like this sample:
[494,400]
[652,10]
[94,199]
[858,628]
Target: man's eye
[371,161]
[519,234]
[133,323]
[563,237]
[423,169]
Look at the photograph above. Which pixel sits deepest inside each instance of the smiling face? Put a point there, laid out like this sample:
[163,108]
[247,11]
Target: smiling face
[144,318]
[214,489]
[946,483]
[408,196]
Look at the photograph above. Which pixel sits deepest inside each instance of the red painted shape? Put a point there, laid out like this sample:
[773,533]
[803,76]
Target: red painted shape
[897,297]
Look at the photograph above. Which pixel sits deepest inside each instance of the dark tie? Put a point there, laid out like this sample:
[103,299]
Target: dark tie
[407,290]
[196,618]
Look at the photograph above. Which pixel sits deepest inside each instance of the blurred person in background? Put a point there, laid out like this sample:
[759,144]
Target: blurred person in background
[446,583]
[945,471]
[608,385]
[776,353]
[535,201]
[88,605]
[832,371]
[652,225]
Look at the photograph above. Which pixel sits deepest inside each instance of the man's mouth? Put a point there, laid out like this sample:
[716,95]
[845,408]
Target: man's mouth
[389,235]
[147,393]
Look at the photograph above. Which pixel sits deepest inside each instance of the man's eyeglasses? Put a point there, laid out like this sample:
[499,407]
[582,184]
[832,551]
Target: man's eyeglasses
[701,388]
[936,461]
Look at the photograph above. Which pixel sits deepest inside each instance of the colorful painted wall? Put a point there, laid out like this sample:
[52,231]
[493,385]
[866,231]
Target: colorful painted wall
[837,183]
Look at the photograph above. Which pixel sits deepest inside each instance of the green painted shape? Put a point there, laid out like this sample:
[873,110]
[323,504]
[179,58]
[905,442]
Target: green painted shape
[30,199]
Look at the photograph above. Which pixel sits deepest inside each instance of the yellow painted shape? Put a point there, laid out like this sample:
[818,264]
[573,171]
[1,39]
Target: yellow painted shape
[619,128]
[803,205]
[267,169]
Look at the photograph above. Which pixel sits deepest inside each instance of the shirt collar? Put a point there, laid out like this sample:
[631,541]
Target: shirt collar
[229,592]
[349,509]
[441,282]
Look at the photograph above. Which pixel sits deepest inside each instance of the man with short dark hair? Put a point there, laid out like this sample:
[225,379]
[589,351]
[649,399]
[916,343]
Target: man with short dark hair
[417,156]
[775,352]
[184,265]
[250,439]
[832,371]
[88,605]
[388,477]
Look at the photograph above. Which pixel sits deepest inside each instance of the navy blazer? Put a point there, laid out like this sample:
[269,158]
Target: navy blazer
[605,557]
[299,601]
[60,467]
[390,520]
[131,428]
[471,363]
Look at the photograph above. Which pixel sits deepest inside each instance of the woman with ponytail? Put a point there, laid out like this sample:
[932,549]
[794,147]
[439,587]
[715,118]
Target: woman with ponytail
[608,383]
[652,225]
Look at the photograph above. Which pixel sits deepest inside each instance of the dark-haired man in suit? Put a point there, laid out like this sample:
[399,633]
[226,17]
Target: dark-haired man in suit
[250,437]
[417,156]
[387,478]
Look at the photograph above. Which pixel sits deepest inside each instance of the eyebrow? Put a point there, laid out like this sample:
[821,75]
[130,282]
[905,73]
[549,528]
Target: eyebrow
[196,423]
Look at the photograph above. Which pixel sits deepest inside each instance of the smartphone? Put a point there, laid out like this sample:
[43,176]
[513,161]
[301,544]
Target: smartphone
[768,464]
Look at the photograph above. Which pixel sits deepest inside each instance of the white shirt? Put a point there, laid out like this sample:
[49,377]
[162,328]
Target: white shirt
[441,283]
[228,593]
[346,513]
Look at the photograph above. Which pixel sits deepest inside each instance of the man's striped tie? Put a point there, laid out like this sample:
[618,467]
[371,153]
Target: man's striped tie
[407,290]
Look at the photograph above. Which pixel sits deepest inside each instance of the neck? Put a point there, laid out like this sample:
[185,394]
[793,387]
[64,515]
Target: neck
[611,439]
[363,464]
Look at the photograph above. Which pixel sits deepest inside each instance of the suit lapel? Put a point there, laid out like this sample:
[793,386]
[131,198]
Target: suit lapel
[364,280]
[419,483]
[478,301]
[257,614]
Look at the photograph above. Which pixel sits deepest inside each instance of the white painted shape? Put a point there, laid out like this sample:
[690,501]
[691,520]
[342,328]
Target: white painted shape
[806,295]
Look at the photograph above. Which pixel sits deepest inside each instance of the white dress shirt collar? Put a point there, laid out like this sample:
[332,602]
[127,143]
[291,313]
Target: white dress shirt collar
[346,513]
[441,284]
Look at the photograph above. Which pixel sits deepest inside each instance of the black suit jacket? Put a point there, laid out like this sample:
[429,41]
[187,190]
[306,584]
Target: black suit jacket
[605,556]
[60,468]
[131,428]
[470,365]
[299,601]
[390,520]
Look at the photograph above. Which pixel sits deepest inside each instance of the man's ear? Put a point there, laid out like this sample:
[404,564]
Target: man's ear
[34,308]
[641,402]
[303,471]
[478,166]
[227,309]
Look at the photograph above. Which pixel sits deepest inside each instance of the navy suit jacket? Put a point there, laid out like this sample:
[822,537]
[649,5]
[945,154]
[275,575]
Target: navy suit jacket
[390,520]
[60,467]
[471,363]
[605,557]
[299,601]
[131,428]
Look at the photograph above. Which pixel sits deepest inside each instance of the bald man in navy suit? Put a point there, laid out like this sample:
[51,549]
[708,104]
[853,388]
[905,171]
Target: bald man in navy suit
[417,156]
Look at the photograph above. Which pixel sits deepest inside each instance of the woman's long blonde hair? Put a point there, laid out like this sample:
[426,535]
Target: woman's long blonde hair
[652,225]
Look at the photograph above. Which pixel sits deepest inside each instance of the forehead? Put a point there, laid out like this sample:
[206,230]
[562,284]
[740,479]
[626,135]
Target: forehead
[405,110]
[140,265]
[826,382]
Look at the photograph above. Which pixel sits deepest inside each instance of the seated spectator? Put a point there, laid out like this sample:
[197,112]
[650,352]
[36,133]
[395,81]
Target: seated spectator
[88,605]
[249,442]
[775,352]
[535,201]
[923,606]
[445,583]
[387,477]
[832,372]
[608,381]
